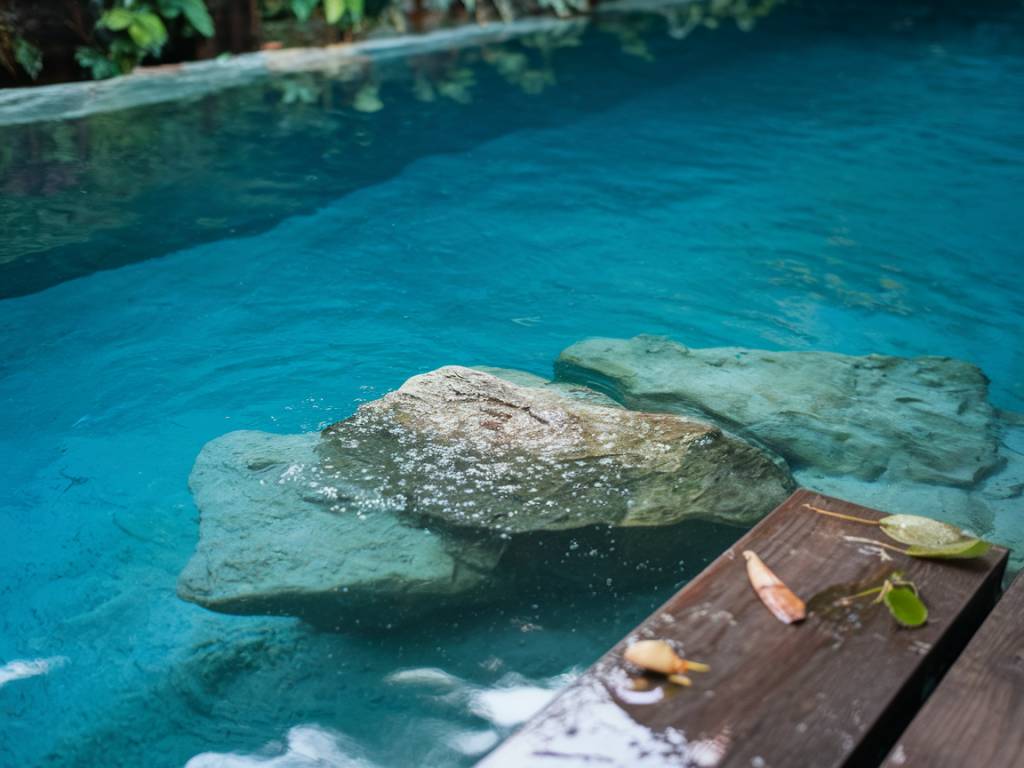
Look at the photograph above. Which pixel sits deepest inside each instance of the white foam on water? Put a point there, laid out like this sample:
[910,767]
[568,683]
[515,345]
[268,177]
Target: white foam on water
[473,742]
[308,746]
[508,707]
[19,669]
[426,676]
[510,702]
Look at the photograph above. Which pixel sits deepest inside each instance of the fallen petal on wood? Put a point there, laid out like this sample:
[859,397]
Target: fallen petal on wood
[780,600]
[659,656]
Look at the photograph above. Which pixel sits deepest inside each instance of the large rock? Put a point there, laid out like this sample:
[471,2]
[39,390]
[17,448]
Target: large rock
[467,449]
[276,537]
[410,504]
[922,419]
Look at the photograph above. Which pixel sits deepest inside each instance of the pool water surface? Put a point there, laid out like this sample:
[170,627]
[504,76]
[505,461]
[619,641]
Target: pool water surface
[843,177]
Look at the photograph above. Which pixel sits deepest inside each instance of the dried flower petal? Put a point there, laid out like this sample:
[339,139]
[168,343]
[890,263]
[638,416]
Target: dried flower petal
[659,656]
[680,680]
[780,600]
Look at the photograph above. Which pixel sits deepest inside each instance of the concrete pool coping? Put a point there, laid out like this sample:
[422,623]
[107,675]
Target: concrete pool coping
[155,85]
[194,79]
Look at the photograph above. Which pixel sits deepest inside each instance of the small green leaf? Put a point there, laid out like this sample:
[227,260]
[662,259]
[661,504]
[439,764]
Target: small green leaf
[28,56]
[303,9]
[197,15]
[169,9]
[148,32]
[920,531]
[333,10]
[905,606]
[117,19]
[962,550]
[98,65]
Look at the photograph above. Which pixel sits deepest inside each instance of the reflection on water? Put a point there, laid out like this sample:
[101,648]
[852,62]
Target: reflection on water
[71,192]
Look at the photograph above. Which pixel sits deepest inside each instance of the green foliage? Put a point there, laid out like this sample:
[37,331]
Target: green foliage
[100,66]
[127,33]
[28,57]
[134,30]
[148,32]
[194,11]
[303,9]
[334,11]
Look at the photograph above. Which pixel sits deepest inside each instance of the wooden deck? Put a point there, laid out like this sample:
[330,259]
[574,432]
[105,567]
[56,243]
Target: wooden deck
[836,690]
[976,716]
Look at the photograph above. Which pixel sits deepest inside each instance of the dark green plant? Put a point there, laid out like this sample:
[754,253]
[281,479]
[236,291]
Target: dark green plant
[28,57]
[118,35]
[334,11]
[17,53]
[137,29]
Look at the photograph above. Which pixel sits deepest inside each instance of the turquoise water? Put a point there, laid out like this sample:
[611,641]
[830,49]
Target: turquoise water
[842,179]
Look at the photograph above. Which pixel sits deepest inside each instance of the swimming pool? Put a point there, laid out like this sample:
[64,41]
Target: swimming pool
[843,178]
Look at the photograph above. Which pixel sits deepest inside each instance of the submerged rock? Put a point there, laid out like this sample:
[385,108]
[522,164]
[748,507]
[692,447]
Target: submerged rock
[409,505]
[922,419]
[274,537]
[464,448]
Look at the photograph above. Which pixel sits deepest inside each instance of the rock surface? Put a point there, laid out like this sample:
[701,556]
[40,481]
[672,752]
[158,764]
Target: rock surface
[923,419]
[566,388]
[415,498]
[464,448]
[275,538]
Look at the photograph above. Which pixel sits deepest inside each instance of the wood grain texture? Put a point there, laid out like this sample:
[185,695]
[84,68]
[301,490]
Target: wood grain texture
[835,690]
[976,716]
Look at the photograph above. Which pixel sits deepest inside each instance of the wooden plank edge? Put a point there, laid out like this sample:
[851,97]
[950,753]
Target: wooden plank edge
[882,735]
[918,727]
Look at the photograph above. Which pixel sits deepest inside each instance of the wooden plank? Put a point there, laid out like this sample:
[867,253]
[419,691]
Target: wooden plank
[976,716]
[836,690]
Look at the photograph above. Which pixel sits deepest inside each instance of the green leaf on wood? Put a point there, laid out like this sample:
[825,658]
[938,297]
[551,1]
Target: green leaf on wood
[963,550]
[932,538]
[904,605]
[920,531]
